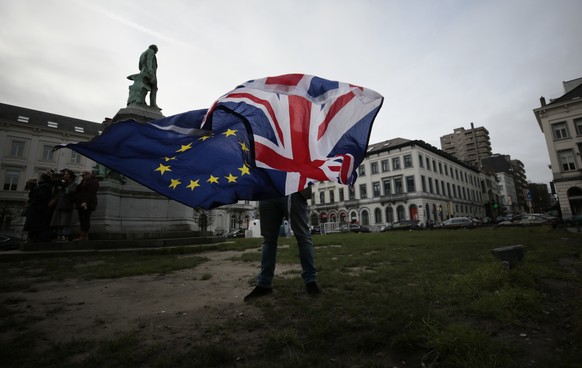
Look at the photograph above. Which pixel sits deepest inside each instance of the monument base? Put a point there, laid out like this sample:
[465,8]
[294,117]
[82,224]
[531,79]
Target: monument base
[137,112]
[127,209]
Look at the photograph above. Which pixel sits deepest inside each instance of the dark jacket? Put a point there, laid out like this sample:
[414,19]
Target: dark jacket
[87,193]
[38,214]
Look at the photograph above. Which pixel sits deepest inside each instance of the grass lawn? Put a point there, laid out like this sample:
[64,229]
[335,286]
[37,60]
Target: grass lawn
[394,299]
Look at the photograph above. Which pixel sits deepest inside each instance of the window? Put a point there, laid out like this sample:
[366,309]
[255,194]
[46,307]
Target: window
[341,194]
[384,164]
[75,158]
[567,160]
[11,179]
[410,186]
[376,189]
[387,186]
[331,196]
[434,167]
[351,194]
[47,152]
[436,184]
[322,198]
[378,216]
[398,185]
[427,163]
[17,149]
[560,130]
[420,163]
[362,170]
[578,125]
[423,183]
[407,161]
[363,191]
[440,168]
[446,170]
[396,163]
[374,167]
[430,188]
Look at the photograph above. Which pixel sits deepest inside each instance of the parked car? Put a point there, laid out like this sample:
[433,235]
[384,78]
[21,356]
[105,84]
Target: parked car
[575,220]
[315,229]
[535,219]
[459,223]
[9,242]
[354,228]
[406,225]
[237,233]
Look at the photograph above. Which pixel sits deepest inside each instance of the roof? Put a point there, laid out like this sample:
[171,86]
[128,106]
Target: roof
[403,142]
[21,115]
[574,94]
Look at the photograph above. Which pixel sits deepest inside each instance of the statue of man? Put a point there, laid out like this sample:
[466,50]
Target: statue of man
[146,81]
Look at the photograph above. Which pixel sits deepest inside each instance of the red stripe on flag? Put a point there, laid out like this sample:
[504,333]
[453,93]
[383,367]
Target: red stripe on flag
[267,106]
[338,104]
[286,80]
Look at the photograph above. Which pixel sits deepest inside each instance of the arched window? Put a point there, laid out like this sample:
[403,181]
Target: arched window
[400,213]
[377,216]
[365,217]
[413,212]
[353,217]
[389,214]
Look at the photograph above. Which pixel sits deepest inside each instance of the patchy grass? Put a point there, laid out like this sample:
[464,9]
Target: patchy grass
[394,299]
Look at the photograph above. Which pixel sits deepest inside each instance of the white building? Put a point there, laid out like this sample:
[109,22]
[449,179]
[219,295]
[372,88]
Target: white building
[561,122]
[404,179]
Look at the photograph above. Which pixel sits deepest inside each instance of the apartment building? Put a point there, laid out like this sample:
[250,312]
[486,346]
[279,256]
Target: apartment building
[561,122]
[403,179]
[468,145]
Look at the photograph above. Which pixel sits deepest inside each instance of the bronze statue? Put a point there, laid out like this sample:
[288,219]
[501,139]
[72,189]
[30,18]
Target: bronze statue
[146,81]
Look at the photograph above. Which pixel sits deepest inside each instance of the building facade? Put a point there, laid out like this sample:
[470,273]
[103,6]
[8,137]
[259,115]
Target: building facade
[561,122]
[27,139]
[403,179]
[470,146]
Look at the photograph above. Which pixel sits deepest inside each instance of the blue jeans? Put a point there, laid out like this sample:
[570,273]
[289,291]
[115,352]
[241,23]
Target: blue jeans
[272,213]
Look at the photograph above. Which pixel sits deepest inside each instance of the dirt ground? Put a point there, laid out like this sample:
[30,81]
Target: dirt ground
[170,306]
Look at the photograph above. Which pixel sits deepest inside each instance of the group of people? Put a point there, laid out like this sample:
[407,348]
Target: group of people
[52,200]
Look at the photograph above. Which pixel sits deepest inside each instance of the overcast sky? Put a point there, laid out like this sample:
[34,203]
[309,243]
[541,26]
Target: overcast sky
[440,64]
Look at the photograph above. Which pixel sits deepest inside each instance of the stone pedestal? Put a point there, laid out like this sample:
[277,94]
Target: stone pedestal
[126,208]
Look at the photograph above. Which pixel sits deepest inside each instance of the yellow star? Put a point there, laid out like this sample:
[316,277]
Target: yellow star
[212,179]
[230,132]
[169,158]
[231,178]
[244,170]
[163,168]
[244,146]
[205,137]
[193,184]
[174,183]
[185,148]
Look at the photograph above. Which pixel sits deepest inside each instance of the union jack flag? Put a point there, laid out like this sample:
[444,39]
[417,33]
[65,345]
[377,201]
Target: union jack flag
[308,127]
[265,139]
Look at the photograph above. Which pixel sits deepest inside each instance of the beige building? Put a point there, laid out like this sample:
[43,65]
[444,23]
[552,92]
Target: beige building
[470,145]
[561,122]
[403,179]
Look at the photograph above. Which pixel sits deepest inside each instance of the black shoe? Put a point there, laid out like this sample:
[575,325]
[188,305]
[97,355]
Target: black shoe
[312,288]
[257,292]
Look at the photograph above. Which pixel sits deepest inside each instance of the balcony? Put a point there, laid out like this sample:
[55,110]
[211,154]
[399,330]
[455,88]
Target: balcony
[393,198]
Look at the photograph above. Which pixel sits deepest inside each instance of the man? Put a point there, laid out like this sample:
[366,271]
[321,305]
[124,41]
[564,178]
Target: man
[272,212]
[148,67]
[146,80]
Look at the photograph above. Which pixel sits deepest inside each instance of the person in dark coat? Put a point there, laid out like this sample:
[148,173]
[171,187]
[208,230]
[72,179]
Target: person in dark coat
[65,203]
[86,201]
[38,211]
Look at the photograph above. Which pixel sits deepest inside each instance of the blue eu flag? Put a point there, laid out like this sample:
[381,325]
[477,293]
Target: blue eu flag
[172,156]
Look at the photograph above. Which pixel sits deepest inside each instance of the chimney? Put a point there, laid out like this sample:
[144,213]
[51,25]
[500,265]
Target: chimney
[543,101]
